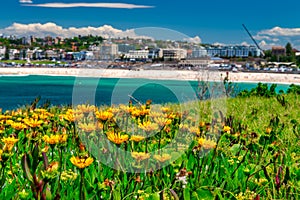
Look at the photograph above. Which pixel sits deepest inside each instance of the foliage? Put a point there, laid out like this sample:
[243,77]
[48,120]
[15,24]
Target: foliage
[249,152]
[261,90]
[294,89]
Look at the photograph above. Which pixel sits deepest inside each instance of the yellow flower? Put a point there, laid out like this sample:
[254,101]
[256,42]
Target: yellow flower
[139,156]
[45,149]
[195,130]
[201,141]
[137,138]
[86,108]
[148,126]
[201,124]
[5,117]
[33,123]
[135,112]
[63,138]
[165,109]
[226,129]
[104,115]
[162,158]
[207,144]
[18,126]
[9,122]
[52,167]
[162,121]
[9,143]
[53,139]
[69,116]
[144,111]
[87,127]
[81,162]
[117,138]
[268,130]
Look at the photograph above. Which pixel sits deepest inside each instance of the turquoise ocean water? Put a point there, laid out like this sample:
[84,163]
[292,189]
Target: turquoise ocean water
[16,91]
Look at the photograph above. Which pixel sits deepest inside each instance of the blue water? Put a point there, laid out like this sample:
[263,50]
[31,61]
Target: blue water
[16,91]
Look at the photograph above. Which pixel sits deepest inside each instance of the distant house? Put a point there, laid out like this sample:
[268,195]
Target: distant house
[137,54]
[2,52]
[174,54]
[278,51]
[108,51]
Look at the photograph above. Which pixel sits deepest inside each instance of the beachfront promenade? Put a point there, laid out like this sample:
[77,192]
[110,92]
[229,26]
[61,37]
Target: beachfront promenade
[157,74]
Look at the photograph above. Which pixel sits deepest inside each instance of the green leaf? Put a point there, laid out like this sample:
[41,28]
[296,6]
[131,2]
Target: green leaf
[195,196]
[35,157]
[48,194]
[154,196]
[10,191]
[186,194]
[191,162]
[117,194]
[204,194]
[235,149]
[26,168]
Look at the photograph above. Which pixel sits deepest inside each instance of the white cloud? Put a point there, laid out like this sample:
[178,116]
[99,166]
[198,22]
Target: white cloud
[51,29]
[94,5]
[25,1]
[278,36]
[196,40]
[278,31]
[264,45]
[106,31]
[219,44]
[245,44]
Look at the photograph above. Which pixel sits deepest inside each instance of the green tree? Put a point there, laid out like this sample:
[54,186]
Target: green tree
[288,49]
[290,55]
[6,56]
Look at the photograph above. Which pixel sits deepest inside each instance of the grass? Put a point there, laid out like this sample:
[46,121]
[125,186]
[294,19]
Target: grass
[237,148]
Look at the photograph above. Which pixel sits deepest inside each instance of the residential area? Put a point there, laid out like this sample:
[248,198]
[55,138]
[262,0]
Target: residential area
[126,53]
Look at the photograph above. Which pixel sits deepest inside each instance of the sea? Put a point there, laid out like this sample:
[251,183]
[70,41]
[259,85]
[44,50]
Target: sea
[19,90]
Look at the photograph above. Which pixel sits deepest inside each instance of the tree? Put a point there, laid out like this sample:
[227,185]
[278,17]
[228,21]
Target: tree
[6,56]
[290,55]
[288,49]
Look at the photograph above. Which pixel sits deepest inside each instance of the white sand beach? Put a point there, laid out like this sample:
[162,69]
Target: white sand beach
[158,74]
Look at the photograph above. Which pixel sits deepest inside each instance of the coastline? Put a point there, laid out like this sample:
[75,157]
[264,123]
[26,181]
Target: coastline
[203,75]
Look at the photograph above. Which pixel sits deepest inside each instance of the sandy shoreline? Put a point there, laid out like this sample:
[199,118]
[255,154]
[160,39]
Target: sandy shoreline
[157,74]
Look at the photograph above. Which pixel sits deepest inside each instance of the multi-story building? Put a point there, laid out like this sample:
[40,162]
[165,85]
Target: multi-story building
[108,51]
[233,51]
[154,53]
[125,48]
[50,54]
[137,54]
[278,51]
[174,54]
[198,52]
[14,54]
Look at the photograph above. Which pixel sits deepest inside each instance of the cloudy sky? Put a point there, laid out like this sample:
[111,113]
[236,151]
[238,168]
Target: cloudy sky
[270,22]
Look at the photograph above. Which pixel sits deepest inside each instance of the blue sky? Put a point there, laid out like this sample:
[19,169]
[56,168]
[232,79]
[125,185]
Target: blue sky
[218,21]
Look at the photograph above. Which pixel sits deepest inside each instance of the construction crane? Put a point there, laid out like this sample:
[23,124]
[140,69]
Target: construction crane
[261,51]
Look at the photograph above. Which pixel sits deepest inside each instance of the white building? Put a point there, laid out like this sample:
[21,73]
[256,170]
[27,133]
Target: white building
[200,62]
[199,52]
[2,52]
[174,54]
[137,54]
[108,51]
[233,51]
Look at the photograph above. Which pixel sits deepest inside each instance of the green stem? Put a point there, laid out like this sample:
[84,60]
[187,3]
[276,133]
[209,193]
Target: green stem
[81,187]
